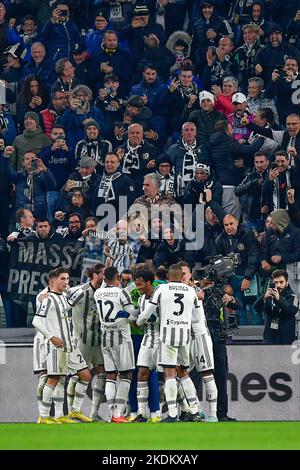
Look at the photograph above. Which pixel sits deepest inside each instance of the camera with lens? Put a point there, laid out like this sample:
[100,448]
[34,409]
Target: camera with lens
[222,267]
[77,184]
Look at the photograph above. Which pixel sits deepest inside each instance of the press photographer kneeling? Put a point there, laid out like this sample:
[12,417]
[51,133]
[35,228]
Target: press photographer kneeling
[280,305]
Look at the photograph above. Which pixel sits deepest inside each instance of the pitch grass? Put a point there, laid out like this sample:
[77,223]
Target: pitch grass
[178,436]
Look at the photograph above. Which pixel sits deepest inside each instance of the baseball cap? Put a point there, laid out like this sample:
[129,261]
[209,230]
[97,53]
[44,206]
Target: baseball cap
[206,95]
[79,48]
[239,98]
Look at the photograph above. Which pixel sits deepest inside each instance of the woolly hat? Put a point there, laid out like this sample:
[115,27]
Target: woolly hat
[164,158]
[103,14]
[206,95]
[203,167]
[32,115]
[91,122]
[141,10]
[281,219]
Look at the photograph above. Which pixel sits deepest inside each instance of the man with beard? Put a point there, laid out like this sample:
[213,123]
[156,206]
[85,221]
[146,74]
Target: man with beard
[58,105]
[93,146]
[280,305]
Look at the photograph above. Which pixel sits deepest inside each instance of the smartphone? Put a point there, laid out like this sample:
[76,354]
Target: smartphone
[34,164]
[272,285]
[274,165]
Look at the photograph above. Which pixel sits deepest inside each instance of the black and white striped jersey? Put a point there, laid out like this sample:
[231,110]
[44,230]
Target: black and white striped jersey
[53,319]
[120,253]
[178,307]
[151,330]
[85,318]
[109,301]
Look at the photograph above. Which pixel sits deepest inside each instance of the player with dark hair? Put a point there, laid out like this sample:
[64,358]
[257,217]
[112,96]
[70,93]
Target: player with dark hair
[86,333]
[115,307]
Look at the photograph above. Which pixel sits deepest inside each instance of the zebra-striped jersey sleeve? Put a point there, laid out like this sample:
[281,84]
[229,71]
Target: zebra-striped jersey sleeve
[43,309]
[75,296]
[150,309]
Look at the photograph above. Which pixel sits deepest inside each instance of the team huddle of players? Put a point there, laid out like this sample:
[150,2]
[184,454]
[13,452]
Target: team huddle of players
[88,326]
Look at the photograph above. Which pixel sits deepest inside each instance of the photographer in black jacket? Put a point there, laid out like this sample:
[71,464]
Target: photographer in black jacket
[280,305]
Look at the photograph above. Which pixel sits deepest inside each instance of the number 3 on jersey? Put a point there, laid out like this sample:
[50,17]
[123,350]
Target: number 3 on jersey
[178,300]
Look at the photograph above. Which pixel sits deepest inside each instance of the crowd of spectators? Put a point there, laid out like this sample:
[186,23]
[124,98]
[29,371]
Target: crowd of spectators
[167,103]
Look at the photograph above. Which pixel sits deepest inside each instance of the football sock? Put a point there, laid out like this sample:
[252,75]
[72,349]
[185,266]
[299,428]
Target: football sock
[80,390]
[110,393]
[142,398]
[181,398]
[71,391]
[171,394]
[39,391]
[47,400]
[59,397]
[190,393]
[211,394]
[98,393]
[121,397]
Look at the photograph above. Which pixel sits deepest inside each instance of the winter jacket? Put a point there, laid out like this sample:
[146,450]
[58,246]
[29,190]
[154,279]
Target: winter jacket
[60,39]
[204,121]
[195,188]
[224,105]
[178,153]
[120,61]
[280,311]
[167,254]
[119,185]
[60,162]
[40,184]
[269,57]
[244,244]
[45,71]
[252,187]
[285,244]
[200,41]
[224,150]
[146,152]
[74,124]
[135,38]
[28,141]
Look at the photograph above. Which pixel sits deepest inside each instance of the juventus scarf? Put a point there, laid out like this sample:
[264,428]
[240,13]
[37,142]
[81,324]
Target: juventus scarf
[189,161]
[131,158]
[106,189]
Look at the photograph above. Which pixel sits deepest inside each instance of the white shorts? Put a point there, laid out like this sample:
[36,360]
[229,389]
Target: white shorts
[41,348]
[148,357]
[75,362]
[91,354]
[60,362]
[201,353]
[119,358]
[171,356]
[56,361]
